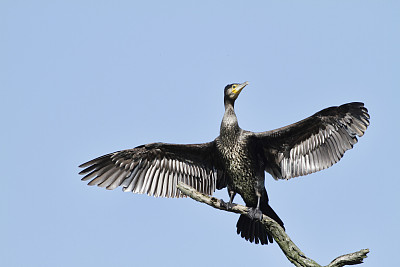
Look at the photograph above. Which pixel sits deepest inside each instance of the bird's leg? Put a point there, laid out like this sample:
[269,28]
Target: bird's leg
[230,204]
[232,195]
[256,213]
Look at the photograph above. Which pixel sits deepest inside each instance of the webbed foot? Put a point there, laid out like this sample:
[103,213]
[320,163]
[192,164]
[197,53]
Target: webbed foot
[228,205]
[255,214]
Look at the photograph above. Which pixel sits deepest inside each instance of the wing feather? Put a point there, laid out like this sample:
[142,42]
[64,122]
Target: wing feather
[155,169]
[315,143]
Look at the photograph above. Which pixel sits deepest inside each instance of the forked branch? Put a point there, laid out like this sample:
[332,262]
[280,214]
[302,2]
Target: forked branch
[291,251]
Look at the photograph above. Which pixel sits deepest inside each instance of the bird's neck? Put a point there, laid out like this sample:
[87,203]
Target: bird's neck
[229,124]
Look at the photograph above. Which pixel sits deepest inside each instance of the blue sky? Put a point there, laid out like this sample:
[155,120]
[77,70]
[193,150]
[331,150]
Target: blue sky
[80,79]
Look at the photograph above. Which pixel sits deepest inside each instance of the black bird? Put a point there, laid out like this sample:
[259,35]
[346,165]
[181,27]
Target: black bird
[236,159]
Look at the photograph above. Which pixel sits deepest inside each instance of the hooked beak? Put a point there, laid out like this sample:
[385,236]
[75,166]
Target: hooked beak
[239,88]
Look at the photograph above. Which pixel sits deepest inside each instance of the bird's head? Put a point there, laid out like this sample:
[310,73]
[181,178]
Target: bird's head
[233,90]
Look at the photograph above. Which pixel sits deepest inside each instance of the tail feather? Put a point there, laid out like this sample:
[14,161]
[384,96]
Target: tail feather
[254,231]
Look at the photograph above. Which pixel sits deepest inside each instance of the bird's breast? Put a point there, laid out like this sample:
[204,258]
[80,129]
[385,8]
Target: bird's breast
[239,166]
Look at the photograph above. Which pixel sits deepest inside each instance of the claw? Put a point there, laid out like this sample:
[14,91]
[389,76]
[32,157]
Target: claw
[227,205]
[223,203]
[230,205]
[255,214]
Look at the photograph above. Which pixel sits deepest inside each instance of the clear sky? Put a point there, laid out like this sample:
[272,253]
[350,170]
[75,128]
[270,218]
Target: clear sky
[79,79]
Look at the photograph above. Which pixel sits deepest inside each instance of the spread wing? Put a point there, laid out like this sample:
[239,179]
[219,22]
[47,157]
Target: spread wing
[155,169]
[314,143]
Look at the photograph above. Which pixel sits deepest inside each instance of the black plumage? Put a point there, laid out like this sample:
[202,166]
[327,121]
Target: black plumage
[236,159]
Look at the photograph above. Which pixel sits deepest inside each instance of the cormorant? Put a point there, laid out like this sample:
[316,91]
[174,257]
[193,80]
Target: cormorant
[236,159]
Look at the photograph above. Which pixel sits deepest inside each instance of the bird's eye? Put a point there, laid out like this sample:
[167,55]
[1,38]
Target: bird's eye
[234,87]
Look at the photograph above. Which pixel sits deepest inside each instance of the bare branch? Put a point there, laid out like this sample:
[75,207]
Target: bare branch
[349,259]
[291,251]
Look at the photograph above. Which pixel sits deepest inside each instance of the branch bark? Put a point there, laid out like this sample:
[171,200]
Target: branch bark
[291,251]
